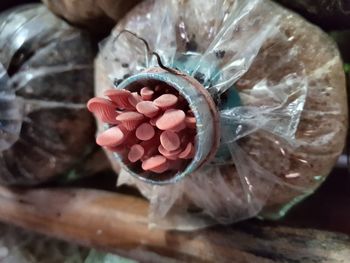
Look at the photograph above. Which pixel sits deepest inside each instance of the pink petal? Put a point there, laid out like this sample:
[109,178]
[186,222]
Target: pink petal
[188,153]
[153,121]
[103,110]
[135,153]
[165,101]
[170,119]
[134,98]
[169,155]
[112,137]
[119,97]
[170,140]
[146,93]
[116,149]
[130,119]
[161,169]
[150,146]
[147,108]
[153,162]
[180,127]
[145,132]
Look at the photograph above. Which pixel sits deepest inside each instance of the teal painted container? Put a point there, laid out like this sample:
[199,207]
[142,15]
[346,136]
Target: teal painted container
[203,108]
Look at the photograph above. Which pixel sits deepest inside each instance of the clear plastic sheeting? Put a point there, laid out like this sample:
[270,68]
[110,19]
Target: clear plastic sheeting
[11,117]
[279,140]
[45,79]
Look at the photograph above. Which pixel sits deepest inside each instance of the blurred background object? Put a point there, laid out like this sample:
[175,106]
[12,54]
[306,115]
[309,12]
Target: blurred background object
[261,241]
[20,246]
[99,16]
[46,79]
[342,38]
[118,223]
[6,4]
[332,16]
[329,14]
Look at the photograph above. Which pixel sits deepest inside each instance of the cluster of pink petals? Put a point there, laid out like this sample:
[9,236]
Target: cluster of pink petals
[153,126]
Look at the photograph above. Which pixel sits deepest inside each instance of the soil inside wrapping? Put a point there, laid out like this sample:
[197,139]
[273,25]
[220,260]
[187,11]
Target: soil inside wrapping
[52,77]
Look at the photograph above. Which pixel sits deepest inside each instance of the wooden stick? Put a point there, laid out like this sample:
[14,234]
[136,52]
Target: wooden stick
[118,223]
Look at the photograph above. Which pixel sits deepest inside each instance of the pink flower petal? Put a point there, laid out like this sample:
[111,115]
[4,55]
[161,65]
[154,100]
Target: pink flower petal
[103,109]
[145,132]
[150,146]
[134,98]
[146,93]
[178,128]
[153,121]
[170,141]
[161,169]
[135,153]
[188,153]
[165,101]
[155,132]
[130,119]
[147,108]
[170,119]
[112,137]
[117,149]
[119,97]
[169,155]
[153,162]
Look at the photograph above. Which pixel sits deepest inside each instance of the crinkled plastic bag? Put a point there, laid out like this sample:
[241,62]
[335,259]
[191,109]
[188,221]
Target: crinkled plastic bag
[45,79]
[99,16]
[279,143]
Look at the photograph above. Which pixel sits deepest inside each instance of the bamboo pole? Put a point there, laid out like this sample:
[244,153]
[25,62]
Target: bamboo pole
[118,223]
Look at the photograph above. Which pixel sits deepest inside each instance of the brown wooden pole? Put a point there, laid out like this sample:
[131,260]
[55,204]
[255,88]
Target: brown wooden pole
[118,223]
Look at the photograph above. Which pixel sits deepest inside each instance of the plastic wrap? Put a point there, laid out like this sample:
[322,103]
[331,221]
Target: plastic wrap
[278,140]
[45,79]
[99,16]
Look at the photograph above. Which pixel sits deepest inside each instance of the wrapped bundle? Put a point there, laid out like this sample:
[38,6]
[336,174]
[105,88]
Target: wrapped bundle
[96,15]
[258,119]
[46,77]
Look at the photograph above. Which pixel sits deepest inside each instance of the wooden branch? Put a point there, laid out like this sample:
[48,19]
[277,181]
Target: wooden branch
[118,223]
